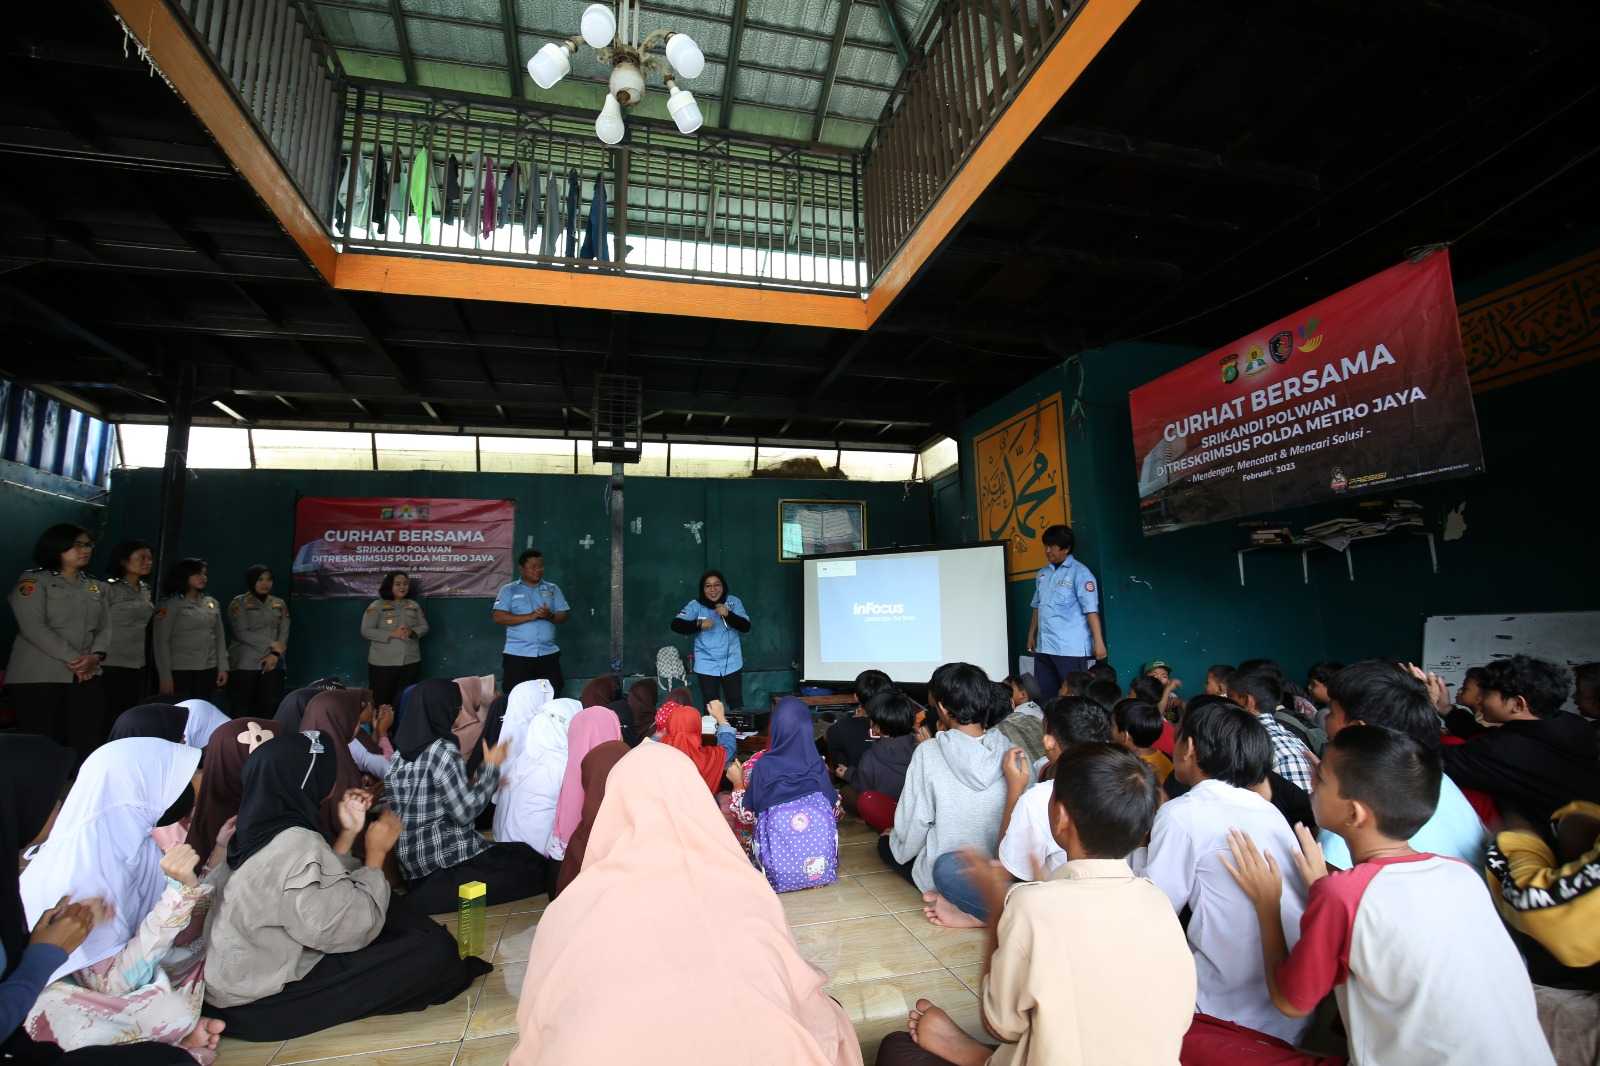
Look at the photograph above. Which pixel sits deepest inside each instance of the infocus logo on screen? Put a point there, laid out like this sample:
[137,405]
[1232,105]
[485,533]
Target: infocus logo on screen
[869,607]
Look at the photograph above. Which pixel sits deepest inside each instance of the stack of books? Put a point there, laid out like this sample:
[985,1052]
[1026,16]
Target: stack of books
[1373,518]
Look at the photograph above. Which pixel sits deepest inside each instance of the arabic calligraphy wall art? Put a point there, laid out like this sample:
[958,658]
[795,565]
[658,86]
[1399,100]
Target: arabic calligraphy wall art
[1544,323]
[1022,483]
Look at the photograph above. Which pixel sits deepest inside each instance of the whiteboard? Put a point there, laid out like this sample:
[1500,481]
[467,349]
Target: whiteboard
[1453,643]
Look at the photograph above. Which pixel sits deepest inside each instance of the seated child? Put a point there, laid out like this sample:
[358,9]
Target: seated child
[1136,725]
[954,792]
[1062,954]
[1377,692]
[437,803]
[1408,942]
[1103,672]
[1028,850]
[849,738]
[879,780]
[305,936]
[784,792]
[140,974]
[1260,690]
[1021,719]
[1318,678]
[1150,689]
[1586,679]
[1538,757]
[34,774]
[1105,693]
[1076,684]
[1222,755]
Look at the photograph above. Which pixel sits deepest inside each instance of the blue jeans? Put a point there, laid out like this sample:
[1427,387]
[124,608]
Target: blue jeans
[950,880]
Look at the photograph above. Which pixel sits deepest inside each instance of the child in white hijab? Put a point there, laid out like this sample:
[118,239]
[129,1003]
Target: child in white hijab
[536,724]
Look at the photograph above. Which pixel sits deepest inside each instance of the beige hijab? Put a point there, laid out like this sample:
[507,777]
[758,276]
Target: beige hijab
[476,695]
[714,958]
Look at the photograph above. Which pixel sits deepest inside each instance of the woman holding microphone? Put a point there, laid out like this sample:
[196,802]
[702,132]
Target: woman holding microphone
[716,619]
[394,626]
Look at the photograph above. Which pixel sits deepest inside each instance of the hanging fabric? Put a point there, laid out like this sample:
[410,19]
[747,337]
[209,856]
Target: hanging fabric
[594,238]
[510,185]
[574,196]
[489,196]
[531,209]
[422,192]
[361,210]
[452,190]
[552,217]
[340,197]
[379,219]
[397,195]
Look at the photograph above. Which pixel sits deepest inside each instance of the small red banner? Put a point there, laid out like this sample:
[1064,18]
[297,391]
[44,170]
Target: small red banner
[455,548]
[1365,390]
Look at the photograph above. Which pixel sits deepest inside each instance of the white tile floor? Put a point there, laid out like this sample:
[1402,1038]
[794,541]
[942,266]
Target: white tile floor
[866,932]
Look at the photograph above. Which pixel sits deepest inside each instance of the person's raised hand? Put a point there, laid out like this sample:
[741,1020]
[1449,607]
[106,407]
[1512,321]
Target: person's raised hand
[383,721]
[381,836]
[496,756]
[735,773]
[353,807]
[1258,877]
[219,851]
[1309,860]
[180,863]
[1018,771]
[706,623]
[722,609]
[718,710]
[65,925]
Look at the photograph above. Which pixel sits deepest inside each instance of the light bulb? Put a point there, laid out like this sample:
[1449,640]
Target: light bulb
[549,65]
[684,111]
[608,125]
[599,25]
[685,56]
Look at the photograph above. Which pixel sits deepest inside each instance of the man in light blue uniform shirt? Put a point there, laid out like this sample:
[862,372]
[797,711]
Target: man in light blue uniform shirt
[530,608]
[716,618]
[1065,633]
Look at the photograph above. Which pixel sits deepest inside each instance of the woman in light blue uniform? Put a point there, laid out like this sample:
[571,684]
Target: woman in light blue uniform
[716,620]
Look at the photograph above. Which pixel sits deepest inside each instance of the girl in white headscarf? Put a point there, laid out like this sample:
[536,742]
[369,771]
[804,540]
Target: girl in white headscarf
[204,718]
[131,978]
[536,724]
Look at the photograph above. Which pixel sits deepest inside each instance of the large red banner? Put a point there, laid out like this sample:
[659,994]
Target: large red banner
[344,546]
[1364,390]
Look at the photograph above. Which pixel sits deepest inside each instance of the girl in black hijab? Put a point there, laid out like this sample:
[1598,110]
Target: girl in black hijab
[164,721]
[34,775]
[292,706]
[304,937]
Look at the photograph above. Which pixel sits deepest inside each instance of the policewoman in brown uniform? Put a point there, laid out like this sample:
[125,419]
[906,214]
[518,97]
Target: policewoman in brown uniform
[394,627]
[190,650]
[63,632]
[132,602]
[260,624]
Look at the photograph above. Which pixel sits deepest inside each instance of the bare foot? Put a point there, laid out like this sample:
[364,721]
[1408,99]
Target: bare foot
[941,911]
[204,1036]
[935,1032]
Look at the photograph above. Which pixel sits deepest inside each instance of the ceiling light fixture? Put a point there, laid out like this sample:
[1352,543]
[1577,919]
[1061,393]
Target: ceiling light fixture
[614,35]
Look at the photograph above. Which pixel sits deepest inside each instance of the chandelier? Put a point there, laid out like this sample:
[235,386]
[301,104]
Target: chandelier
[615,39]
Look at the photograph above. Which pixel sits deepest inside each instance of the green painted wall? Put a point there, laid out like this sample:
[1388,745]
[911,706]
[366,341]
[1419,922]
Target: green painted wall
[1178,596]
[236,518]
[29,508]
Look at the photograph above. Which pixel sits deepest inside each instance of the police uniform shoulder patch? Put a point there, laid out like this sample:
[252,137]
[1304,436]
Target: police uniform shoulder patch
[161,612]
[93,587]
[211,603]
[237,605]
[26,586]
[1088,586]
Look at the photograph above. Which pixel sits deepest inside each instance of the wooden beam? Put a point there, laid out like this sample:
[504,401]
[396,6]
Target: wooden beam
[896,32]
[508,28]
[398,17]
[1182,157]
[825,95]
[730,70]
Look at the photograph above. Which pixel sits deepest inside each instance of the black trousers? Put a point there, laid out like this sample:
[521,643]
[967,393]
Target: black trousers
[510,871]
[519,668]
[387,682]
[72,713]
[1051,670]
[886,853]
[412,964]
[254,693]
[729,688]
[195,685]
[126,686]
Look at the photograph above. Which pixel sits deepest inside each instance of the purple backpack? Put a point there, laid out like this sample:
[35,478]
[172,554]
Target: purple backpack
[797,843]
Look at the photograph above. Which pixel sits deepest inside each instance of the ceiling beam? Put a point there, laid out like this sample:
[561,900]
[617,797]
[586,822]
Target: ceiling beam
[857,345]
[130,153]
[508,27]
[730,69]
[896,32]
[66,325]
[831,72]
[1182,157]
[402,35]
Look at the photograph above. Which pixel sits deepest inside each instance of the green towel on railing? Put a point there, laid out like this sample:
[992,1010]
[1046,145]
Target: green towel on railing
[422,192]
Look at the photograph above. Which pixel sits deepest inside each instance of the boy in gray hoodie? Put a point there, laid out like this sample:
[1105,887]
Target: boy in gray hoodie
[955,794]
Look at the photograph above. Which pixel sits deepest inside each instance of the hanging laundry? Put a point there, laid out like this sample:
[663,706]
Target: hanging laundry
[595,245]
[506,212]
[552,217]
[380,194]
[361,209]
[573,199]
[397,195]
[531,205]
[340,197]
[422,192]
[452,190]
[489,197]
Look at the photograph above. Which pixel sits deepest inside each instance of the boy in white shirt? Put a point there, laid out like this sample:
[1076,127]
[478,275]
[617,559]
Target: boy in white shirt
[1222,754]
[1028,849]
[1409,942]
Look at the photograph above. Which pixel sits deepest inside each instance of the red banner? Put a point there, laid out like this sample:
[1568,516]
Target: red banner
[457,548]
[1365,390]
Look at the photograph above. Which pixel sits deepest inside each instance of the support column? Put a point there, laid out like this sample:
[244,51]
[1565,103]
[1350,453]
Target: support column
[175,472]
[619,530]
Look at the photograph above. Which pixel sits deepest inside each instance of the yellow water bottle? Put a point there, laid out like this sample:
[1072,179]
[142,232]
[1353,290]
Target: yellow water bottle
[469,924]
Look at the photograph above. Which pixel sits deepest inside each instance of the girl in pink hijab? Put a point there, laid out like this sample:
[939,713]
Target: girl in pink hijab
[590,728]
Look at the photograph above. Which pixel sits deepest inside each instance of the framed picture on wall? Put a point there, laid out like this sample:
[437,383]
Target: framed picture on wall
[820,527]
